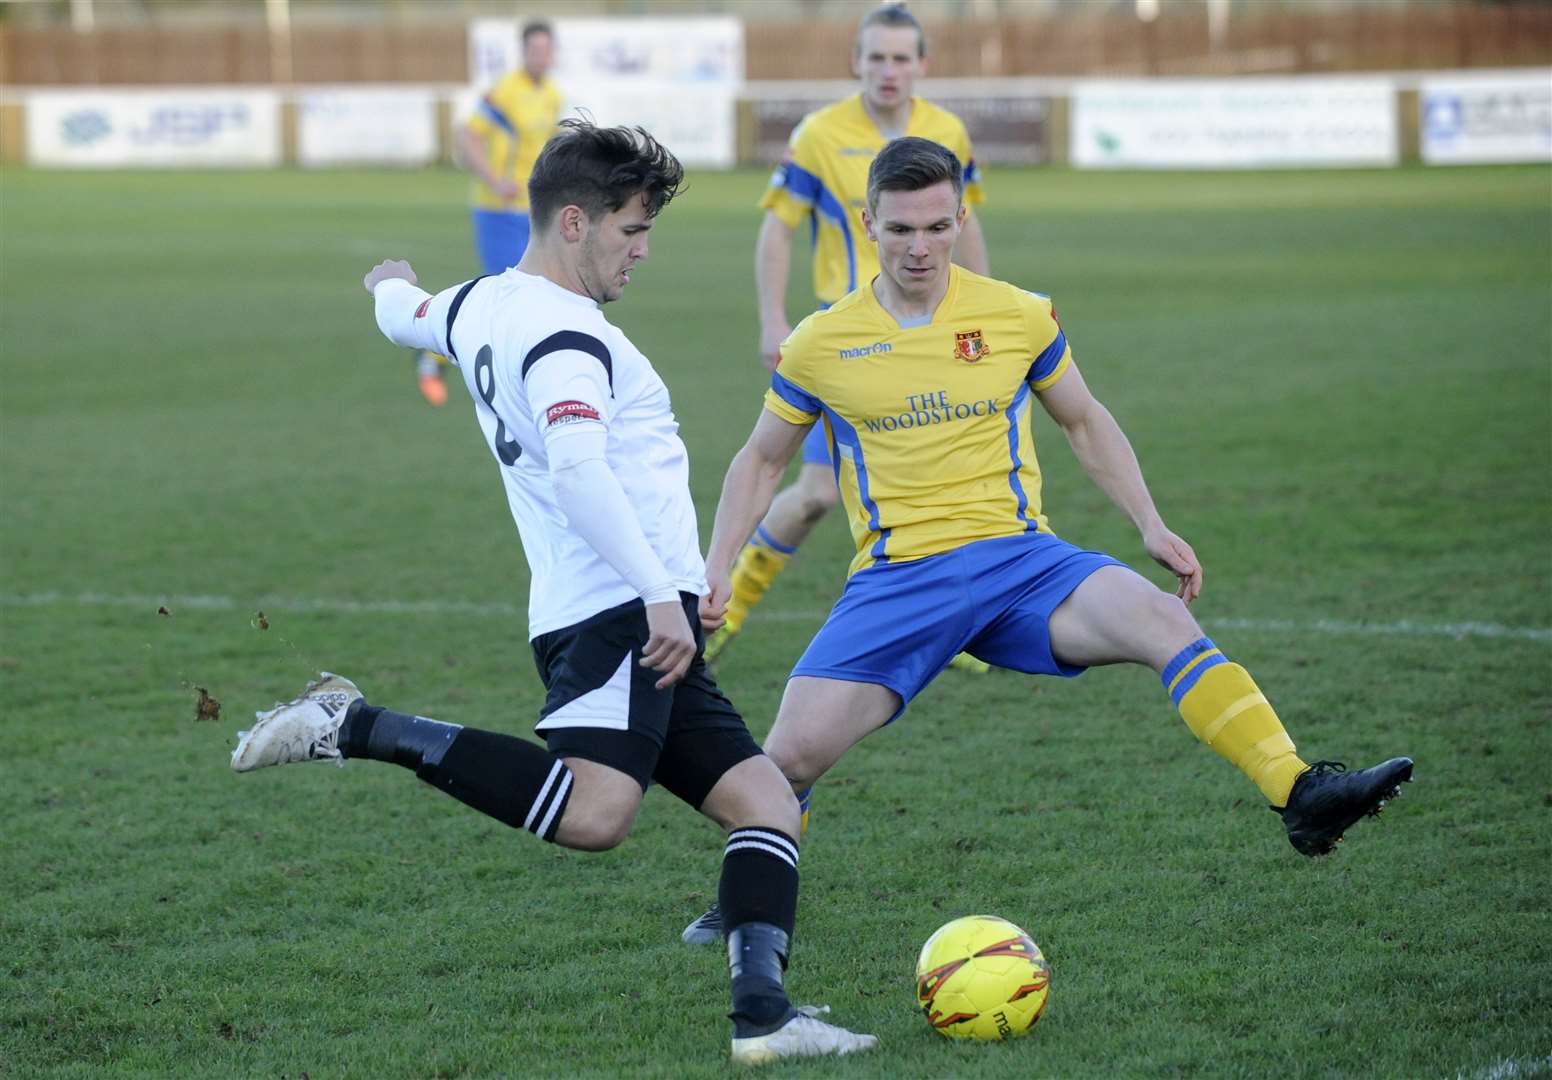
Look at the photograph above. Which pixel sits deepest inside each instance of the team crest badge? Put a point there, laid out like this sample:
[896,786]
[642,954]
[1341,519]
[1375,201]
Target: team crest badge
[969,346]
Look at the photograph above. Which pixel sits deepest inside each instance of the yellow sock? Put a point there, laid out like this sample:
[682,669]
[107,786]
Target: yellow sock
[1223,706]
[758,564]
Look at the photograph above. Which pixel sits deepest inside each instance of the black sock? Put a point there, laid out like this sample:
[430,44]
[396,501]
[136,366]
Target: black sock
[516,782]
[758,896]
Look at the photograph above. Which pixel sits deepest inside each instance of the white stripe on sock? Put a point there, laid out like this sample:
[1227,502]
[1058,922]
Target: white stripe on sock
[769,849]
[555,805]
[769,836]
[538,803]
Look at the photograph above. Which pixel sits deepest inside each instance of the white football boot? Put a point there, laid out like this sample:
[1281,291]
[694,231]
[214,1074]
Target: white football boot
[306,729]
[805,1035]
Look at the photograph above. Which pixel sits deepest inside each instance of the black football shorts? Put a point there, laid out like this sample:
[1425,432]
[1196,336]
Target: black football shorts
[602,705]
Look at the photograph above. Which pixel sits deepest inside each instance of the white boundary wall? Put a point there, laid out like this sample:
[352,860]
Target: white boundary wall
[1463,117]
[357,125]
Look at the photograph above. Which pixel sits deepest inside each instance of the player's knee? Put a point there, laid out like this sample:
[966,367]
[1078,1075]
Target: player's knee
[818,494]
[595,831]
[1171,615]
[799,765]
[754,794]
[598,817]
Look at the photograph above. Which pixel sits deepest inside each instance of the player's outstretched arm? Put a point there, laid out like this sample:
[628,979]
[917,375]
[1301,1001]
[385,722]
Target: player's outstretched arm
[772,265]
[407,314]
[747,490]
[1107,456]
[970,248]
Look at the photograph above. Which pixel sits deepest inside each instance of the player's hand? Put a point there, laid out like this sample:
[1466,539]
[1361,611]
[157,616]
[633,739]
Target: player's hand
[714,604]
[771,337]
[392,268]
[670,644]
[507,189]
[1176,556]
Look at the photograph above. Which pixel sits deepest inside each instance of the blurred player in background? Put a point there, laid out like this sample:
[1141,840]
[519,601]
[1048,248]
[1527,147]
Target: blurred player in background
[500,144]
[823,180]
[942,490]
[597,480]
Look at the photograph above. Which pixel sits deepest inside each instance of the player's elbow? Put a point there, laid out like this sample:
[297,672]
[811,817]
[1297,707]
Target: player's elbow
[573,480]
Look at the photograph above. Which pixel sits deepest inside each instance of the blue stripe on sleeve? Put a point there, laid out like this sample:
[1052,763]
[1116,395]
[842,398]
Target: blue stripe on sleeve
[1196,673]
[497,117]
[810,189]
[972,172]
[1184,657]
[1046,362]
[795,395]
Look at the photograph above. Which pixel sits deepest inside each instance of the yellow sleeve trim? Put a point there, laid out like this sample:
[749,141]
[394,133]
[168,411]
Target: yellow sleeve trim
[791,211]
[1051,379]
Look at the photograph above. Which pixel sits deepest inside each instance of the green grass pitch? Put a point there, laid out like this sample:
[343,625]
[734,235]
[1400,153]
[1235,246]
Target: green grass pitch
[1340,388]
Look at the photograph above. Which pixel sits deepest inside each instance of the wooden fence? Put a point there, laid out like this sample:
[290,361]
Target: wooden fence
[1265,38]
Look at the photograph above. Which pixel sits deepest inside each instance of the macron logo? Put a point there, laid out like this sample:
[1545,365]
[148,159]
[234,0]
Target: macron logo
[866,350]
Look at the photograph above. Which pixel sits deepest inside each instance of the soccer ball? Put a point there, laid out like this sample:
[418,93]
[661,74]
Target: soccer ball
[981,977]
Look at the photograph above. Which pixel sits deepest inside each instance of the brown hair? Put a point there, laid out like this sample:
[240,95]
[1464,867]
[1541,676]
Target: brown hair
[600,169]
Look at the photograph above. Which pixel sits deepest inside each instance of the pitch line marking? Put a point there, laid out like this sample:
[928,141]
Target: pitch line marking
[501,610]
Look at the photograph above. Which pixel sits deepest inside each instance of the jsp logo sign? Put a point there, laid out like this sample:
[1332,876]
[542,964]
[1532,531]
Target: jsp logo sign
[85,127]
[189,125]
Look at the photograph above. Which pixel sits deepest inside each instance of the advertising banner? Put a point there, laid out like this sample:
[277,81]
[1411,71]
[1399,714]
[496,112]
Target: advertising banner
[677,77]
[385,126]
[157,128]
[1498,117]
[1247,123]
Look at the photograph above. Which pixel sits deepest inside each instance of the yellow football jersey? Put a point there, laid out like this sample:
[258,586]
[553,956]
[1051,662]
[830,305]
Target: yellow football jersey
[929,426]
[515,119]
[824,178]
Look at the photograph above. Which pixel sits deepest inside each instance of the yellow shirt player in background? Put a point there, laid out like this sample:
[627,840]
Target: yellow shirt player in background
[923,382]
[500,144]
[822,181]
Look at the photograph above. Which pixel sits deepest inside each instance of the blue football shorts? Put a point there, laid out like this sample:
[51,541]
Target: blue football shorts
[899,624]
[500,238]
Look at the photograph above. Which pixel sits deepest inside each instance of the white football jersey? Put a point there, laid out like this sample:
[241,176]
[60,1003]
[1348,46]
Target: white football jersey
[540,362]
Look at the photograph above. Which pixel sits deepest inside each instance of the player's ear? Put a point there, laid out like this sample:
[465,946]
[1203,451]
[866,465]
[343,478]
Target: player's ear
[959,218]
[569,221]
[867,225]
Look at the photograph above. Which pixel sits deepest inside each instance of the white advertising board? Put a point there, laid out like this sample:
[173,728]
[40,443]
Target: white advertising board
[366,126]
[1497,117]
[677,77]
[160,128]
[1247,123]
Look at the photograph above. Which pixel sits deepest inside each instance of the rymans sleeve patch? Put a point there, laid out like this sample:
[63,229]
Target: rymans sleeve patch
[425,305]
[569,412]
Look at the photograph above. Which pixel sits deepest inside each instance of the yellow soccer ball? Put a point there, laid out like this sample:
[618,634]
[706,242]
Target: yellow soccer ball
[981,977]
